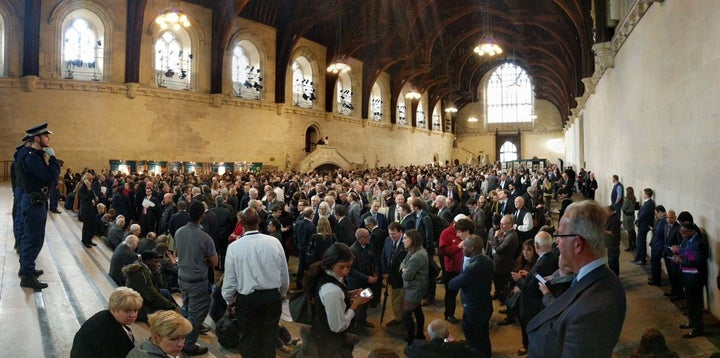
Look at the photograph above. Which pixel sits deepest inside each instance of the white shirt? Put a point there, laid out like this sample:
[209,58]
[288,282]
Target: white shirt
[254,262]
[338,314]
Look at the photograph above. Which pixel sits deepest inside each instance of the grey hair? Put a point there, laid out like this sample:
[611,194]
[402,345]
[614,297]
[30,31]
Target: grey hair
[437,329]
[120,220]
[587,219]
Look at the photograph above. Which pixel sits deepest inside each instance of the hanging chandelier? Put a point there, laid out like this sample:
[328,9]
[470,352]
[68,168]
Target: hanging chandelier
[472,119]
[451,109]
[338,65]
[172,18]
[413,94]
[488,45]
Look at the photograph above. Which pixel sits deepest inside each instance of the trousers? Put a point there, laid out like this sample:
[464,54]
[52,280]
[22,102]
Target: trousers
[34,216]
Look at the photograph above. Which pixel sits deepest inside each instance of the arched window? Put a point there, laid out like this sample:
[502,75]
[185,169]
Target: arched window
[82,46]
[173,60]
[3,34]
[509,95]
[401,111]
[376,103]
[436,119]
[508,152]
[246,74]
[344,94]
[420,116]
[303,85]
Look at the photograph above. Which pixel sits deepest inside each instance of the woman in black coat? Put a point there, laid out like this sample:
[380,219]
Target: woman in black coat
[87,200]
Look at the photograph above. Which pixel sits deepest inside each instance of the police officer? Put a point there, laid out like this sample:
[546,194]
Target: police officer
[16,180]
[39,170]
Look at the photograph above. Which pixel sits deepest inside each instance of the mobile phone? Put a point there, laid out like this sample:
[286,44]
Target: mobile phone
[366,293]
[540,278]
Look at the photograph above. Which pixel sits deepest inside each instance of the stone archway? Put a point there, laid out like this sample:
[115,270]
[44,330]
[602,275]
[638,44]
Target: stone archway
[312,135]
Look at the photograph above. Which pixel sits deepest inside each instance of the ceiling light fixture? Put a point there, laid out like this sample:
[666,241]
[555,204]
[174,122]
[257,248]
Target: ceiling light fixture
[488,45]
[451,109]
[172,17]
[472,119]
[413,94]
[339,62]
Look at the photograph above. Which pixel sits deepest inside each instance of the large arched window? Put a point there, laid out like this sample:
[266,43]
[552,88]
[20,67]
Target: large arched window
[509,95]
[82,46]
[303,85]
[246,73]
[344,94]
[508,152]
[376,103]
[436,119]
[401,110]
[173,60]
[420,116]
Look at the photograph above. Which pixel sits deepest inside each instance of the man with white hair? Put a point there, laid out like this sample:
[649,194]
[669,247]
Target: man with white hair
[115,233]
[123,255]
[440,344]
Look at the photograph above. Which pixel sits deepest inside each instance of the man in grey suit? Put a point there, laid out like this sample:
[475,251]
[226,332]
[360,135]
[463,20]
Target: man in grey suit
[586,320]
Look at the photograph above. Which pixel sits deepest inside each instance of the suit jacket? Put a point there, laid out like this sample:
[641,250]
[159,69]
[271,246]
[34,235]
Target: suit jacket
[657,244]
[392,209]
[178,220]
[475,281]
[363,266]
[646,215]
[585,321]
[382,221]
[377,240]
[408,222]
[530,295]
[345,231]
[672,238]
[122,256]
[390,264]
[101,336]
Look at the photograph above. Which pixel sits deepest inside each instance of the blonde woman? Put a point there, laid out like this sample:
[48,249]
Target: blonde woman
[167,336]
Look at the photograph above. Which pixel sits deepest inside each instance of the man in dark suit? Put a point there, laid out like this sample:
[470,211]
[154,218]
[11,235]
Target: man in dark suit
[344,229]
[438,347]
[392,256]
[363,273]
[657,246]
[304,229]
[672,237]
[394,209]
[530,295]
[407,218]
[692,257]
[377,240]
[586,320]
[644,222]
[379,217]
[475,282]
[180,218]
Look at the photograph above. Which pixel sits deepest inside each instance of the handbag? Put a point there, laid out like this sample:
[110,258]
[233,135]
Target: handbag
[513,300]
[227,332]
[301,307]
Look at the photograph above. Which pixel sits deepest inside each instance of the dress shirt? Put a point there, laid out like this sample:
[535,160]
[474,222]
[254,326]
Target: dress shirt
[333,298]
[589,268]
[255,262]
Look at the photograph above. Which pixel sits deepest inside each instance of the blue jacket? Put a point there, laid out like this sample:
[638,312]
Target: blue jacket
[474,282]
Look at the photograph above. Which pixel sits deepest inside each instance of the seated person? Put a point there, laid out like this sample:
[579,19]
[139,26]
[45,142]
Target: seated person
[115,233]
[106,334]
[148,243]
[168,268]
[167,336]
[140,278]
[440,344]
[123,255]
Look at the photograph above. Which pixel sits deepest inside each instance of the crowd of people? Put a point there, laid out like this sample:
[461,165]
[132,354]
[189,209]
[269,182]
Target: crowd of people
[485,233]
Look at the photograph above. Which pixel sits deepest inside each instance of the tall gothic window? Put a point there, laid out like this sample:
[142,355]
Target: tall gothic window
[420,116]
[303,86]
[247,77]
[173,60]
[436,119]
[509,95]
[82,47]
[344,94]
[401,110]
[376,103]
[3,34]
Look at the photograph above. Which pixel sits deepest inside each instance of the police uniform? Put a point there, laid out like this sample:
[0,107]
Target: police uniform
[39,170]
[17,188]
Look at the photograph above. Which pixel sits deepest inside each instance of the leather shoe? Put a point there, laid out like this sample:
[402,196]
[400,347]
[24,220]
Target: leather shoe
[452,319]
[37,273]
[196,350]
[686,326]
[392,323]
[693,334]
[32,282]
[367,324]
[506,322]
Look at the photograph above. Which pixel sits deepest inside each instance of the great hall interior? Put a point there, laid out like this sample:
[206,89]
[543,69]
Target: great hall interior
[626,87]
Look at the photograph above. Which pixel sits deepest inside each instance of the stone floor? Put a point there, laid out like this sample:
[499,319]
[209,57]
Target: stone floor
[42,324]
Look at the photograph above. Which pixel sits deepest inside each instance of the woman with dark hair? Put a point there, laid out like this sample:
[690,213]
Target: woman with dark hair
[334,306]
[628,217]
[414,269]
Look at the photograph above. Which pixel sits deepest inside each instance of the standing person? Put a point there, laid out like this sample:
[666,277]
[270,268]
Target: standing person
[475,282]
[39,170]
[692,256]
[363,273]
[87,200]
[586,320]
[453,256]
[504,256]
[196,254]
[17,188]
[673,238]
[645,221]
[414,270]
[657,246]
[612,240]
[107,333]
[392,256]
[334,306]
[616,194]
[303,231]
[628,212]
[256,280]
[590,187]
